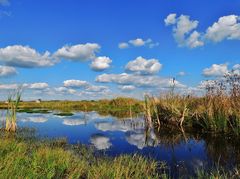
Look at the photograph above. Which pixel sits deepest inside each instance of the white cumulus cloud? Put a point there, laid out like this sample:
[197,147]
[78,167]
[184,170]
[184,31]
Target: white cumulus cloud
[101,63]
[170,19]
[80,52]
[137,80]
[25,56]
[227,27]
[215,70]
[33,86]
[123,45]
[100,141]
[127,88]
[7,71]
[144,66]
[36,86]
[182,30]
[75,83]
[138,42]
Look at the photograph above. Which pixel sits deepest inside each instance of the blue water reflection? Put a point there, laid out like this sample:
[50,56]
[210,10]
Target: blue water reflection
[127,136]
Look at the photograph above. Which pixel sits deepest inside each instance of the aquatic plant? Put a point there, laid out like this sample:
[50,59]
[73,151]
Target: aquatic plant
[11,114]
[217,111]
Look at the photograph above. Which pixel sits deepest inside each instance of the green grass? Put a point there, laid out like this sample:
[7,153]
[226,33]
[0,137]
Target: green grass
[64,114]
[22,159]
[30,111]
[119,107]
[28,157]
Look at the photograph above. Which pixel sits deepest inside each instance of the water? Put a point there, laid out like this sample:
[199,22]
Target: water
[115,136]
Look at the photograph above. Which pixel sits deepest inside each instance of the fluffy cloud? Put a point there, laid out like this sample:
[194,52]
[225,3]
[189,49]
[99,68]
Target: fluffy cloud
[35,119]
[138,138]
[24,56]
[124,126]
[182,30]
[236,69]
[137,80]
[33,86]
[80,52]
[227,27]
[8,86]
[127,88]
[75,83]
[74,122]
[144,66]
[65,90]
[81,84]
[170,19]
[100,141]
[101,63]
[193,40]
[94,88]
[7,71]
[138,42]
[123,45]
[216,70]
[36,86]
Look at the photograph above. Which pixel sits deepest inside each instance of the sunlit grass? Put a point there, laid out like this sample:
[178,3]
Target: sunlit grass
[12,106]
[119,107]
[20,159]
[217,111]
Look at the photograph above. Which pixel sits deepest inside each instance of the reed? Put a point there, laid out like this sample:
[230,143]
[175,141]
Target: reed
[12,106]
[217,111]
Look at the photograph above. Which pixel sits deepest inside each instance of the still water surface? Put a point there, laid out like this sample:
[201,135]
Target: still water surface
[115,136]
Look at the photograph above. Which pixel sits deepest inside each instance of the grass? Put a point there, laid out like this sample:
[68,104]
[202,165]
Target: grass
[32,159]
[12,106]
[217,111]
[30,111]
[24,156]
[119,107]
[64,114]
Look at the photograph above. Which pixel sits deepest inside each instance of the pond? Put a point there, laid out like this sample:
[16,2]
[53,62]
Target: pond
[113,136]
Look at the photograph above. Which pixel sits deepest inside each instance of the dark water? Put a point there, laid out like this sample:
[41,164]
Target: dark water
[128,136]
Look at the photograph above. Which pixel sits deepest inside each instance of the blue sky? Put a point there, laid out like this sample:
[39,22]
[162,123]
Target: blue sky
[78,49]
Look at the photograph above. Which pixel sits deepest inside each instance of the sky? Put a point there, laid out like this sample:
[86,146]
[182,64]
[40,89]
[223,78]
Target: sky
[94,49]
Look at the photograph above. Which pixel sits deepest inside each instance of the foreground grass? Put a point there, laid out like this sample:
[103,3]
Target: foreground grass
[24,156]
[21,159]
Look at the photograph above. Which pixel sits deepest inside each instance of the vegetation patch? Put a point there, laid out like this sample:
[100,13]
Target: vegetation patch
[31,111]
[64,114]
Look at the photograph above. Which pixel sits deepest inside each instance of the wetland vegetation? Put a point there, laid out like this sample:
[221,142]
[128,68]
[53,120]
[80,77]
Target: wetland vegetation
[210,123]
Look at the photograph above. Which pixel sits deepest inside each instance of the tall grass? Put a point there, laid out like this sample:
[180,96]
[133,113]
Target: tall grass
[12,106]
[218,110]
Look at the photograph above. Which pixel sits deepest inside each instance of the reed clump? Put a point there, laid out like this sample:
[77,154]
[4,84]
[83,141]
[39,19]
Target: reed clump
[11,114]
[217,111]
